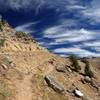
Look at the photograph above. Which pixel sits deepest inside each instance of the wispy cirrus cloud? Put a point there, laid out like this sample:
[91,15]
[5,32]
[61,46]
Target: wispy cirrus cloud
[82,42]
[93,12]
[90,9]
[77,51]
[26,27]
[68,35]
[36,4]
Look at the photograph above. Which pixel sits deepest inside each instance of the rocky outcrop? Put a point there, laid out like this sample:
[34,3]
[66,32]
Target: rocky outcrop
[54,84]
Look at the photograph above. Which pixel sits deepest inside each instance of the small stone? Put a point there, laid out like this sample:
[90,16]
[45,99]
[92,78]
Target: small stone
[69,70]
[4,66]
[78,93]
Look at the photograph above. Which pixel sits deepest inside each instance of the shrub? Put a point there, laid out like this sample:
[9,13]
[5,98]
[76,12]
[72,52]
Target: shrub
[2,42]
[2,23]
[88,71]
[20,34]
[75,64]
[0,26]
[23,35]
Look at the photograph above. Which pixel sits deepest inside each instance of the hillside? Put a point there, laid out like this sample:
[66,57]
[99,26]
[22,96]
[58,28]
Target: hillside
[30,72]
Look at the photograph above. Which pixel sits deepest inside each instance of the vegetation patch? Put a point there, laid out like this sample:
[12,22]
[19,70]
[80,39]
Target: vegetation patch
[25,36]
[88,71]
[2,42]
[2,23]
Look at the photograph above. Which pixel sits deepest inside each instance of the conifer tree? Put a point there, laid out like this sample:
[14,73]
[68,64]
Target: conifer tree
[75,64]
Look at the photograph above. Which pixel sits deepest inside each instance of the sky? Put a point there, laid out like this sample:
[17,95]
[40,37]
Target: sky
[63,26]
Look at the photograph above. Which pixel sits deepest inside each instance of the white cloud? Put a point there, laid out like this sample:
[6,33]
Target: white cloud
[26,27]
[76,7]
[93,12]
[78,51]
[93,45]
[61,34]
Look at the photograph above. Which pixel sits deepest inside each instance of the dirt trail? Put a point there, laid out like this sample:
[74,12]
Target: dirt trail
[24,91]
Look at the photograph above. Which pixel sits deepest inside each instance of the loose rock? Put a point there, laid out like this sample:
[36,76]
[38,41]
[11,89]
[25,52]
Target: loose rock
[78,93]
[87,79]
[54,84]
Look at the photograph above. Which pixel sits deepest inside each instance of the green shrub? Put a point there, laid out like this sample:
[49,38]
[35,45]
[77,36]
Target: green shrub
[75,64]
[20,34]
[2,42]
[0,26]
[3,21]
[88,71]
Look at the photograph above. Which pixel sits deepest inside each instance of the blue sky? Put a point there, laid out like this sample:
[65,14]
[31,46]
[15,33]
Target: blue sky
[63,26]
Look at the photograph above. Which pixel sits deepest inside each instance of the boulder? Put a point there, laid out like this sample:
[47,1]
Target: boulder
[63,68]
[78,93]
[54,84]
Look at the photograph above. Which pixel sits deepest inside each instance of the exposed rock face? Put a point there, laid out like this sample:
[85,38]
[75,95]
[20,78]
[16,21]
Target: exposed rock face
[54,84]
